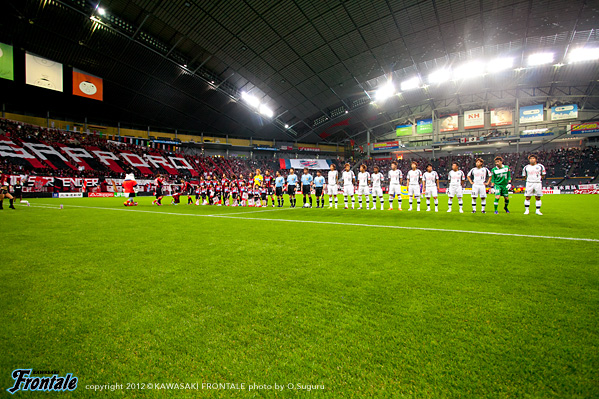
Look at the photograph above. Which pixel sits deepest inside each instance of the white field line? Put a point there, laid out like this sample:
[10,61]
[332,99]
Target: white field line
[332,223]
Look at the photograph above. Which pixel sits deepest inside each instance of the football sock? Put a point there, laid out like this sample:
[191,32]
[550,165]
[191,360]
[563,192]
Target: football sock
[360,200]
[526,203]
[398,200]
[345,199]
[336,200]
[507,202]
[436,202]
[383,201]
[483,204]
[11,200]
[411,200]
[353,200]
[450,201]
[428,202]
[460,202]
[391,198]
[418,201]
[474,204]
[330,200]
[496,204]
[310,200]
[538,203]
[367,200]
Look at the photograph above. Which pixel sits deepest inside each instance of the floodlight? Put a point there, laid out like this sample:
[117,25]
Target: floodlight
[410,84]
[251,100]
[440,76]
[264,110]
[583,54]
[540,59]
[500,64]
[385,91]
[101,11]
[469,70]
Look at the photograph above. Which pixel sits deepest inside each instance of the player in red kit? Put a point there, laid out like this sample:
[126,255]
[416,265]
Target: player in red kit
[268,185]
[158,186]
[187,189]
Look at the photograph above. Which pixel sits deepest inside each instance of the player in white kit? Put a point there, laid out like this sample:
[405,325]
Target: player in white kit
[395,177]
[363,188]
[414,177]
[332,186]
[430,187]
[377,191]
[534,173]
[349,179]
[479,177]
[456,185]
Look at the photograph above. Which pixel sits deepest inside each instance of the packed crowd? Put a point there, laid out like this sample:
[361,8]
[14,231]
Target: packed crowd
[561,163]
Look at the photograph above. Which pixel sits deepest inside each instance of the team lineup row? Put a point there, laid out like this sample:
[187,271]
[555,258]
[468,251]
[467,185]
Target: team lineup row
[255,192]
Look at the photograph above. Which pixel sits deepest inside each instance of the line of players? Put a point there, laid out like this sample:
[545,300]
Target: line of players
[257,189]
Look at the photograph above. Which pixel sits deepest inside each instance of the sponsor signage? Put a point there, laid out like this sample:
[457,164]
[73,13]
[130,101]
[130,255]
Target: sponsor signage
[474,119]
[100,195]
[388,145]
[584,128]
[265,148]
[562,112]
[424,126]
[403,130]
[449,123]
[533,113]
[536,132]
[311,149]
[286,148]
[67,195]
[551,191]
[501,117]
[586,191]
[589,186]
[166,142]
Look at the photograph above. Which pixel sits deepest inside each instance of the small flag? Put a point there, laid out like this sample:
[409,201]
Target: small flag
[60,206]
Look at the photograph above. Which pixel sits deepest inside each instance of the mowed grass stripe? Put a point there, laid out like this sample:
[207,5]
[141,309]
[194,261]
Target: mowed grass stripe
[334,223]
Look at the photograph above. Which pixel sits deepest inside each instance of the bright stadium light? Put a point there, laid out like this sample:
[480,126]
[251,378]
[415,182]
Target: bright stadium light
[410,84]
[583,54]
[264,110]
[440,76]
[500,64]
[385,91]
[101,11]
[251,100]
[469,70]
[540,59]
[286,126]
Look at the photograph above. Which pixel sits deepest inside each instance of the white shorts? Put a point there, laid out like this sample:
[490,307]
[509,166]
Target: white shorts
[413,191]
[479,190]
[535,189]
[363,190]
[348,190]
[333,189]
[377,192]
[394,189]
[455,191]
[431,192]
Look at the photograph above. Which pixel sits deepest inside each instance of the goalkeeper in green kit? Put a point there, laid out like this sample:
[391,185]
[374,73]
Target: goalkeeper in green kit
[501,180]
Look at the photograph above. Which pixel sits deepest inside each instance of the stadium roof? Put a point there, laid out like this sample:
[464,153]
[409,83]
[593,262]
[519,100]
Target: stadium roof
[316,64]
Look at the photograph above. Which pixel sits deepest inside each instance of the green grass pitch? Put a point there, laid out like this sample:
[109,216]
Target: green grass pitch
[334,298]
